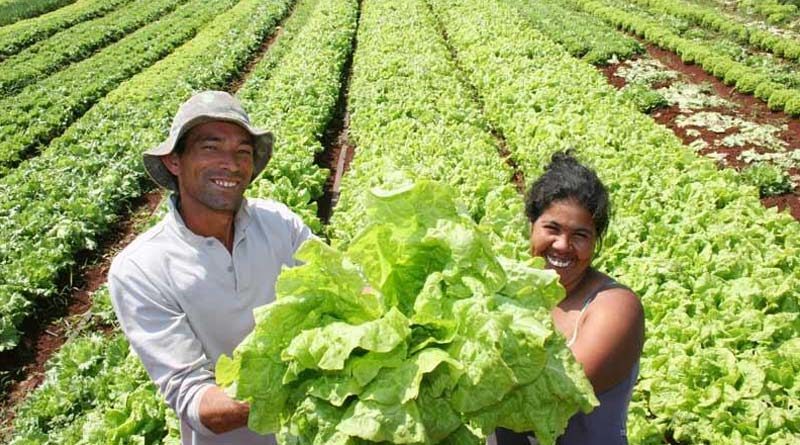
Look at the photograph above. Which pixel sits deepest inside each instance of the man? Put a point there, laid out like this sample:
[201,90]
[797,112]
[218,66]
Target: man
[184,291]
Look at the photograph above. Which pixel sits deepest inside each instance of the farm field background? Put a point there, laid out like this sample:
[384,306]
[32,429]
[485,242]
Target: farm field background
[687,109]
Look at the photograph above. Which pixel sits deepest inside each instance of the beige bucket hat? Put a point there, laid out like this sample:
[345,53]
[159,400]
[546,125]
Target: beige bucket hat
[203,107]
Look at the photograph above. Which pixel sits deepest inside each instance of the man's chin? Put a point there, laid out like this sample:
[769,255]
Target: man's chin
[220,204]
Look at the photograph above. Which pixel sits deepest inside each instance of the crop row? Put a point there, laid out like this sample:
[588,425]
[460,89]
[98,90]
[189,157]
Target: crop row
[774,11]
[583,35]
[298,101]
[412,117]
[63,201]
[101,367]
[711,18]
[77,43]
[43,110]
[14,10]
[718,273]
[746,79]
[15,37]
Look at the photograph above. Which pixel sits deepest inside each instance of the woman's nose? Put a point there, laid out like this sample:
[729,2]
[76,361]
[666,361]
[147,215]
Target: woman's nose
[561,242]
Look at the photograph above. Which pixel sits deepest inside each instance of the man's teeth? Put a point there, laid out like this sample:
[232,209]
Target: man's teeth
[225,184]
[558,262]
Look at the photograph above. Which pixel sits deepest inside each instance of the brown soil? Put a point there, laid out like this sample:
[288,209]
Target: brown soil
[338,150]
[336,157]
[517,178]
[748,107]
[47,330]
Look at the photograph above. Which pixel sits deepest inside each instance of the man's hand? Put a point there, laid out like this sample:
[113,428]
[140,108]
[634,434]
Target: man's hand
[220,413]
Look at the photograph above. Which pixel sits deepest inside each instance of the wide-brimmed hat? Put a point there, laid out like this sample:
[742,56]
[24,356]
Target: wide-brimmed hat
[208,106]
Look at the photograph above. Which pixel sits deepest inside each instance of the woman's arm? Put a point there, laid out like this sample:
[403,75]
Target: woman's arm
[610,338]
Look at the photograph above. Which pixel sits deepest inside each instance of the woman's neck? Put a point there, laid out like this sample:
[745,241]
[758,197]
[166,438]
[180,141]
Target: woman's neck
[576,287]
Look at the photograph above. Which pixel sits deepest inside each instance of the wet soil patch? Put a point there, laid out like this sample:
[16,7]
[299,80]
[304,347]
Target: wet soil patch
[43,333]
[338,151]
[748,108]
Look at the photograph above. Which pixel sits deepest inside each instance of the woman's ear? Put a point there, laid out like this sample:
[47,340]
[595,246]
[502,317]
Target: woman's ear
[172,162]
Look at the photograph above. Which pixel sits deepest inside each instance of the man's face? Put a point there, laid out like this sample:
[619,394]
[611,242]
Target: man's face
[215,167]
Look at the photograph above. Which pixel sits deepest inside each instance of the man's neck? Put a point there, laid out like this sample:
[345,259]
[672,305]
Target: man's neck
[208,222]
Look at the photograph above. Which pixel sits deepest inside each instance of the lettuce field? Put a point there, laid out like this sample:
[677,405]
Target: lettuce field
[687,109]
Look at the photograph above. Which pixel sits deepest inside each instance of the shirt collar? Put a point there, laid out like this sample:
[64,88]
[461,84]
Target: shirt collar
[240,222]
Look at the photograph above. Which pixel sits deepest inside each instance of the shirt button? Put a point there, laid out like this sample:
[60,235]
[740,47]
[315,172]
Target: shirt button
[210,243]
[230,268]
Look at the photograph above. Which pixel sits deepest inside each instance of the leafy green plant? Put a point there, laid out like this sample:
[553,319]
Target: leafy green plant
[77,43]
[415,333]
[581,34]
[15,10]
[15,37]
[770,180]
[643,97]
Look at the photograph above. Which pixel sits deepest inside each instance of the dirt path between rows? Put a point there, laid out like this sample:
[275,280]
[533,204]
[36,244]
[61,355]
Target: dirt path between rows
[339,150]
[748,108]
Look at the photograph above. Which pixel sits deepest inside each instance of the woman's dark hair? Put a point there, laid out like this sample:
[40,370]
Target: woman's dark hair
[564,179]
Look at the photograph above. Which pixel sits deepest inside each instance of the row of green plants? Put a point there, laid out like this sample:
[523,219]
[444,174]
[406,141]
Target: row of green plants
[297,100]
[774,11]
[583,35]
[746,79]
[102,366]
[19,35]
[15,10]
[412,117]
[65,200]
[78,43]
[42,111]
[95,391]
[717,273]
[711,18]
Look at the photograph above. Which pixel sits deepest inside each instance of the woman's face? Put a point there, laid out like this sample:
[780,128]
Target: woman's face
[564,235]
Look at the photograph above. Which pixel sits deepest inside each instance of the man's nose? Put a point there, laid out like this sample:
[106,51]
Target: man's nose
[227,160]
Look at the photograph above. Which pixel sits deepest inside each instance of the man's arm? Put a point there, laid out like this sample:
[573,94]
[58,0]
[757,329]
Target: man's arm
[220,413]
[161,336]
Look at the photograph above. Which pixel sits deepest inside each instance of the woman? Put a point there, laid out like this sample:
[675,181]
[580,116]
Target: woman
[603,320]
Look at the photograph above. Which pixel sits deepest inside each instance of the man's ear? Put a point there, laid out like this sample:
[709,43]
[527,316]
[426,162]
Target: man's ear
[173,163]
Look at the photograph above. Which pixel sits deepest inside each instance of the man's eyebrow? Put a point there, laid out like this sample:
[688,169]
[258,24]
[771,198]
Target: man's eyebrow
[213,138]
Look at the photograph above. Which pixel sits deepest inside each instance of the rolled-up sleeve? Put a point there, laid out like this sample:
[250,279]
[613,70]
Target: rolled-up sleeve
[160,334]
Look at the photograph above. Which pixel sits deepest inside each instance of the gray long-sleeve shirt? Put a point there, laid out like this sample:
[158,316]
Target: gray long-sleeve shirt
[183,300]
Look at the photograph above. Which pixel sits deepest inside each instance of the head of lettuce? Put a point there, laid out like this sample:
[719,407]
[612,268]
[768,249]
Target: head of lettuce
[416,332]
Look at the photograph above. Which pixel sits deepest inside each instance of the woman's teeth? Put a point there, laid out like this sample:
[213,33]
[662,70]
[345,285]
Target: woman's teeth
[558,262]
